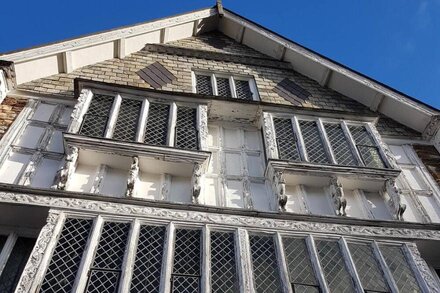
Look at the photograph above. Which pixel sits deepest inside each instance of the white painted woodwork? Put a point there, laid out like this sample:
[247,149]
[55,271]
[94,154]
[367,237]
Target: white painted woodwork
[180,190]
[114,182]
[354,205]
[376,204]
[40,67]
[92,54]
[82,179]
[45,173]
[148,186]
[12,168]
[319,202]
[295,199]
[136,43]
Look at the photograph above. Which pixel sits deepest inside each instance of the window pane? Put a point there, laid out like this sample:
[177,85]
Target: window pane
[264,262]
[298,262]
[148,263]
[186,129]
[223,268]
[43,112]
[186,268]
[56,142]
[286,140]
[368,269]
[67,255]
[31,137]
[65,116]
[45,173]
[15,264]
[366,146]
[339,143]
[156,130]
[128,116]
[95,120]
[361,136]
[243,90]
[203,84]
[313,142]
[400,269]
[332,262]
[106,268]
[223,87]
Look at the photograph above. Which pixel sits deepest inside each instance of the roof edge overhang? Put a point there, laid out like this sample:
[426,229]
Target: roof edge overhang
[66,56]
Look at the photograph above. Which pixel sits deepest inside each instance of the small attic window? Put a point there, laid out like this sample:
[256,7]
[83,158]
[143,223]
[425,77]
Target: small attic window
[237,87]
[156,75]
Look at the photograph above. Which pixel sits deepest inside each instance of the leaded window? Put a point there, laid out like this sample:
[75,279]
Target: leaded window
[15,264]
[106,269]
[313,142]
[223,266]
[128,116]
[97,116]
[264,263]
[187,257]
[366,146]
[368,268]
[156,130]
[66,257]
[339,144]
[148,262]
[332,263]
[299,266]
[242,88]
[286,140]
[400,269]
[186,128]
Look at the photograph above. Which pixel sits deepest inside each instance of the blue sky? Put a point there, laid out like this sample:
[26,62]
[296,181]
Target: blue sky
[396,42]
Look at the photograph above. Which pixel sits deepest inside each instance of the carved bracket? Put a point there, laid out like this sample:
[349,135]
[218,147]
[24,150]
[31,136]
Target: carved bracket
[63,174]
[196,182]
[394,199]
[133,177]
[339,201]
[80,109]
[279,186]
[269,137]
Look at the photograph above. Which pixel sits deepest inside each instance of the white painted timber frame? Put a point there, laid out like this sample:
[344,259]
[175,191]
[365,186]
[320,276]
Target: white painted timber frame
[86,97]
[39,260]
[213,77]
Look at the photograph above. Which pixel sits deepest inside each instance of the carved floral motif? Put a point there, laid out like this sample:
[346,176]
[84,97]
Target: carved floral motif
[423,268]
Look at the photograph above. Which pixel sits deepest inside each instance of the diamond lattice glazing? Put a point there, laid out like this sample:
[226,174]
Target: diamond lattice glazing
[203,84]
[366,146]
[109,255]
[298,262]
[367,268]
[186,268]
[313,142]
[223,87]
[286,141]
[156,130]
[400,269]
[332,262]
[147,266]
[339,144]
[243,90]
[66,257]
[95,120]
[223,267]
[127,122]
[264,262]
[186,128]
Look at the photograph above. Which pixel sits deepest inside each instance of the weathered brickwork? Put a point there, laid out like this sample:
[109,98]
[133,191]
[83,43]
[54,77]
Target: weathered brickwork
[430,158]
[9,109]
[123,72]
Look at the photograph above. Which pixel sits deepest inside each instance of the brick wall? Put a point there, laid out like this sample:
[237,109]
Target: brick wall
[9,110]
[431,159]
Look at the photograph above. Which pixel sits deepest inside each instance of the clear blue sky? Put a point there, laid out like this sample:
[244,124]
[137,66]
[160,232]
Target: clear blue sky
[395,41]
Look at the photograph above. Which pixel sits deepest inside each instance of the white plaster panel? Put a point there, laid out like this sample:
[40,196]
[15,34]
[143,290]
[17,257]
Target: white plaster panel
[148,186]
[213,136]
[318,201]
[82,179]
[252,140]
[232,138]
[354,205]
[138,42]
[114,182]
[45,173]
[180,31]
[294,199]
[414,178]
[91,55]
[37,68]
[431,207]
[180,189]
[260,198]
[233,164]
[399,154]
[255,165]
[234,194]
[210,191]
[11,168]
[411,213]
[377,206]
[213,166]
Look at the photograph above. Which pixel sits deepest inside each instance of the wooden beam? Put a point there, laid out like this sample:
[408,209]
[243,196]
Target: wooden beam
[326,77]
[376,102]
[120,48]
[164,35]
[196,27]
[240,35]
[67,62]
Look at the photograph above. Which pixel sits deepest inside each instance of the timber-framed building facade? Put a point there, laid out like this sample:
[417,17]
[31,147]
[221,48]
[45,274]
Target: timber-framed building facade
[205,153]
